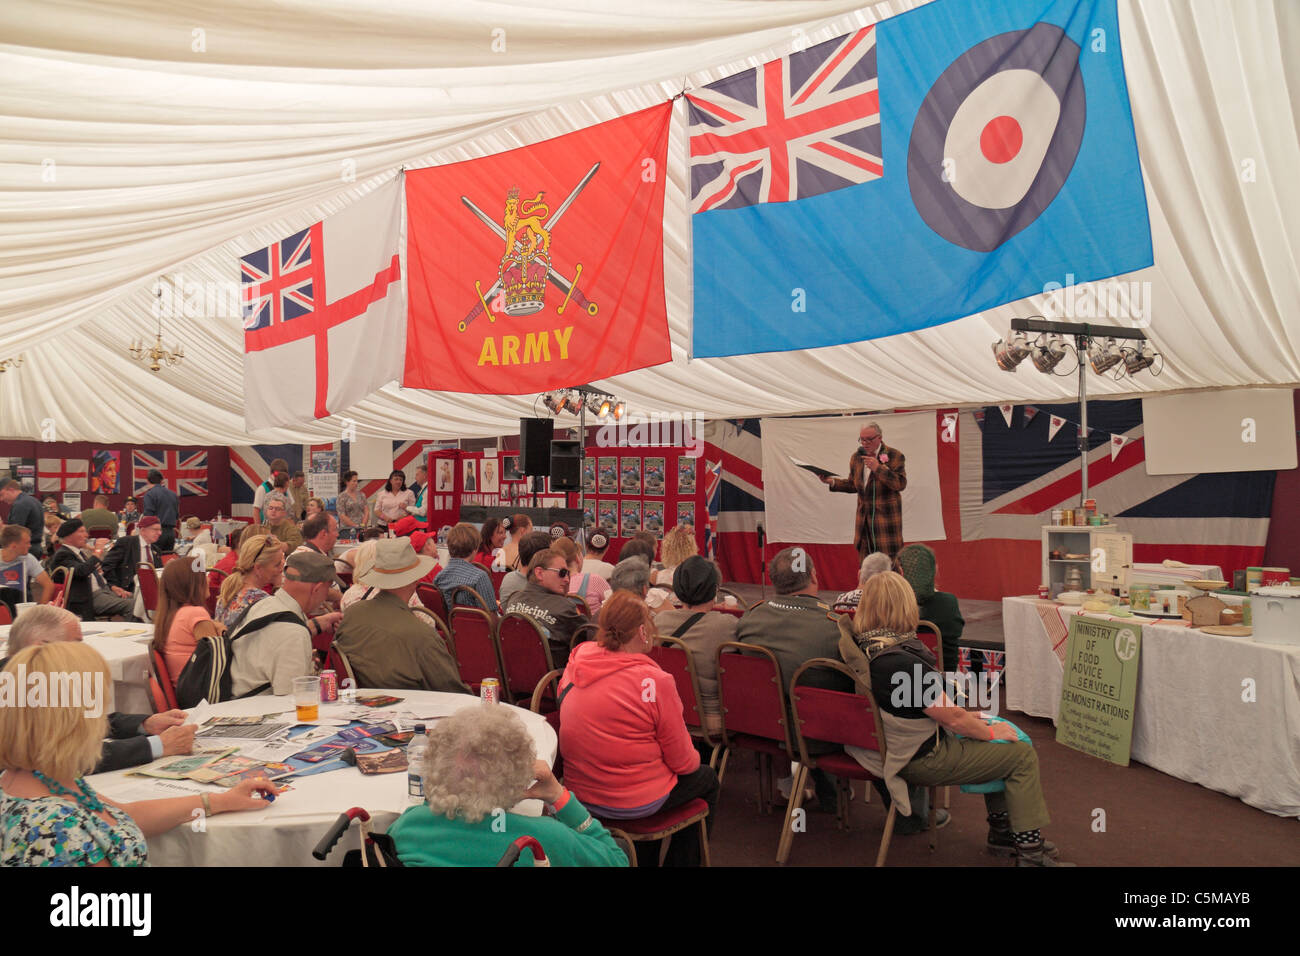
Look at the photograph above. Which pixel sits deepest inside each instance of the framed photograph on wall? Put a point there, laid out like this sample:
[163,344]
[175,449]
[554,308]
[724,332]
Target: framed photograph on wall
[686,475]
[589,475]
[686,513]
[607,517]
[655,476]
[652,518]
[630,476]
[631,511]
[609,476]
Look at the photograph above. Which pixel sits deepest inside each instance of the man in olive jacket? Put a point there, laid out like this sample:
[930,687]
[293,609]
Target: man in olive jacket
[386,645]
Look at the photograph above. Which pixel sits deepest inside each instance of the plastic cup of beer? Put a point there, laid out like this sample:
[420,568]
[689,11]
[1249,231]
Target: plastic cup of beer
[306,697]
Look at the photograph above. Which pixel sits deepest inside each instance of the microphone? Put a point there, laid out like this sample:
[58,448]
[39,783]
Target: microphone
[762,535]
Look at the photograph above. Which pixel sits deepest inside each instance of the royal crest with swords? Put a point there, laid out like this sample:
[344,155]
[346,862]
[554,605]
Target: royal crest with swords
[526,266]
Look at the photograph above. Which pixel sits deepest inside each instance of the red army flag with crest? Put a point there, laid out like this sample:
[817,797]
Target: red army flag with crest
[540,267]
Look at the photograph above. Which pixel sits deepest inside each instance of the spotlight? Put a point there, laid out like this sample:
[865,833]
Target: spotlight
[619,409]
[599,405]
[1103,357]
[1011,352]
[1135,360]
[553,402]
[1047,355]
[572,401]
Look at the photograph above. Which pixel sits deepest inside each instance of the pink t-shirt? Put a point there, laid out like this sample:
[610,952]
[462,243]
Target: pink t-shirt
[180,639]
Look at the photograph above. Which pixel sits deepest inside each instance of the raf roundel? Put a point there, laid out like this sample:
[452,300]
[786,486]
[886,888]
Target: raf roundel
[997,135]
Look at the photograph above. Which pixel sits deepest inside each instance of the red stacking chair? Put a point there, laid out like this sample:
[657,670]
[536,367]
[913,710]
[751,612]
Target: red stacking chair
[545,695]
[674,656]
[147,575]
[752,695]
[100,533]
[215,579]
[928,634]
[432,599]
[160,684]
[497,577]
[477,655]
[5,616]
[525,655]
[478,599]
[338,662]
[168,556]
[662,825]
[840,718]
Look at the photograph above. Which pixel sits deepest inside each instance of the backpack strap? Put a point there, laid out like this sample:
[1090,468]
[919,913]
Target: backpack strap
[560,698]
[582,589]
[689,623]
[279,617]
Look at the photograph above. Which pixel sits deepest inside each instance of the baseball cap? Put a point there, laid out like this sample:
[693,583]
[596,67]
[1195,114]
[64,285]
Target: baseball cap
[311,567]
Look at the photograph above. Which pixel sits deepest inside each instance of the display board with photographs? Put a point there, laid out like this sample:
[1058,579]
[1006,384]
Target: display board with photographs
[655,477]
[629,476]
[686,475]
[631,516]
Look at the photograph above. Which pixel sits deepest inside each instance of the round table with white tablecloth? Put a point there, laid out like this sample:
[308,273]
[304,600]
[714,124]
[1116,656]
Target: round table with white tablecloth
[125,646]
[286,831]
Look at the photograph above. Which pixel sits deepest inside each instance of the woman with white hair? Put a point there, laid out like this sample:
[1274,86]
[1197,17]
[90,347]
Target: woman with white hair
[481,761]
[872,565]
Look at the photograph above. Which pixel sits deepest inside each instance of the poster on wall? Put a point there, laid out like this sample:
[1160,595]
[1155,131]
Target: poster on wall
[323,477]
[631,476]
[26,474]
[589,515]
[654,476]
[444,482]
[510,469]
[471,476]
[105,464]
[652,518]
[491,480]
[686,475]
[609,477]
[589,475]
[71,502]
[607,517]
[686,513]
[631,523]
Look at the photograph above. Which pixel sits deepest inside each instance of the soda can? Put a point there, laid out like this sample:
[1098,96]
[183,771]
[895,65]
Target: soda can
[490,691]
[329,686]
[1044,593]
[1057,516]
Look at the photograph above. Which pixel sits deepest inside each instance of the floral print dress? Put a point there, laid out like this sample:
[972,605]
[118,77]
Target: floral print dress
[52,831]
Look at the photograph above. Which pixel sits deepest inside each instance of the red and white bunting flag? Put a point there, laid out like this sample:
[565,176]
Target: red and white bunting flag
[1117,442]
[1007,411]
[62,474]
[1030,412]
[1054,426]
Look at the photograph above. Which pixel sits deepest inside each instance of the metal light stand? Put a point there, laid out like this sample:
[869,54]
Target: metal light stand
[1082,332]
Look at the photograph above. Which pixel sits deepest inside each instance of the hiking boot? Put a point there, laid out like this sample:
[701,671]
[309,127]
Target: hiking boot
[911,826]
[1037,856]
[1002,843]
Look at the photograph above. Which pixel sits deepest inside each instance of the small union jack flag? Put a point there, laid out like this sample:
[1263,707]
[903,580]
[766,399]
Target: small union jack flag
[278,282]
[800,126]
[185,471]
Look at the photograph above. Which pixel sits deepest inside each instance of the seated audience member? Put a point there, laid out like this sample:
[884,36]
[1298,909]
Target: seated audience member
[352,507]
[631,574]
[917,564]
[259,569]
[314,507]
[25,510]
[480,760]
[519,526]
[128,553]
[626,757]
[872,565]
[237,536]
[796,626]
[492,541]
[595,562]
[387,645]
[427,544]
[54,507]
[136,738]
[99,518]
[320,533]
[182,593]
[50,816]
[130,511]
[89,593]
[271,656]
[703,629]
[392,502]
[279,492]
[679,544]
[637,546]
[279,524]
[365,562]
[22,578]
[942,744]
[462,540]
[50,539]
[592,588]
[516,580]
[545,599]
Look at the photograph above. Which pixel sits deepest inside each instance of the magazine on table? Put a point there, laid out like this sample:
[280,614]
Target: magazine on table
[181,768]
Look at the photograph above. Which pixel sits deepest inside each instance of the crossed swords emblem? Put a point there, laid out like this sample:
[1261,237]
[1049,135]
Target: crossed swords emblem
[569,288]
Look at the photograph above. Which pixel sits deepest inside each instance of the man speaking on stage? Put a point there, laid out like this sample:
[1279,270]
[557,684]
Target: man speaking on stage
[877,475]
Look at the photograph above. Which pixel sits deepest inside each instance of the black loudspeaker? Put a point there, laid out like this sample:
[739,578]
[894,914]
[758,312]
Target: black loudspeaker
[535,445]
[566,466]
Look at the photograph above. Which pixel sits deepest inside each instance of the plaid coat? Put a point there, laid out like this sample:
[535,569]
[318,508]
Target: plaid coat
[880,504]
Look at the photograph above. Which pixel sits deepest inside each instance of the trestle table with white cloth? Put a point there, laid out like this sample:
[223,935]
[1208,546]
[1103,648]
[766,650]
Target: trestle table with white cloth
[1190,719]
[286,831]
[125,646]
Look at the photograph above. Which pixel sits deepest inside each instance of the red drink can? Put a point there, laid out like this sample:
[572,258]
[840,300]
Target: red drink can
[329,686]
[490,691]
[1044,592]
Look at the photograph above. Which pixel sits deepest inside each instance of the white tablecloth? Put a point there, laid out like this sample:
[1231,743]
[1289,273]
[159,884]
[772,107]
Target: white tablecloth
[125,646]
[285,833]
[1190,720]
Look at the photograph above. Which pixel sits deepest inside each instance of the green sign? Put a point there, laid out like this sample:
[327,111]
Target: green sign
[1101,671]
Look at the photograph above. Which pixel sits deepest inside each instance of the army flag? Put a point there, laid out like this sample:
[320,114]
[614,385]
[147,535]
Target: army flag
[540,267]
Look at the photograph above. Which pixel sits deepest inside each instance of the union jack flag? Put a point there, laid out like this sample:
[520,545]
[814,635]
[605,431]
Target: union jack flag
[184,471]
[278,282]
[800,126]
[712,496]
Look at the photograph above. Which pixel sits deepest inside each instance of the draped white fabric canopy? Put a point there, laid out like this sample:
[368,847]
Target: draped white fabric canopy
[148,138]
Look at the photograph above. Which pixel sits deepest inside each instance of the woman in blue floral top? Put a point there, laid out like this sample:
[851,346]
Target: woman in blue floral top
[259,571]
[49,815]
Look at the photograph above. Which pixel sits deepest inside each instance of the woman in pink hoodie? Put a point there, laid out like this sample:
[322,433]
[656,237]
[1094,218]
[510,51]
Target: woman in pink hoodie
[627,753]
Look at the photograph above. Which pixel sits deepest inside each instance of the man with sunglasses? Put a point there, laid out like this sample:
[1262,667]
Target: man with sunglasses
[545,599]
[877,475]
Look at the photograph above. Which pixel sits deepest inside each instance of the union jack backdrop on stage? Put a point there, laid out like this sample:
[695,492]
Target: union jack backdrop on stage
[185,471]
[799,126]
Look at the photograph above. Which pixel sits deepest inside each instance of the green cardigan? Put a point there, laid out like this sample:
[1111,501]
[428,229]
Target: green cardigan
[425,839]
